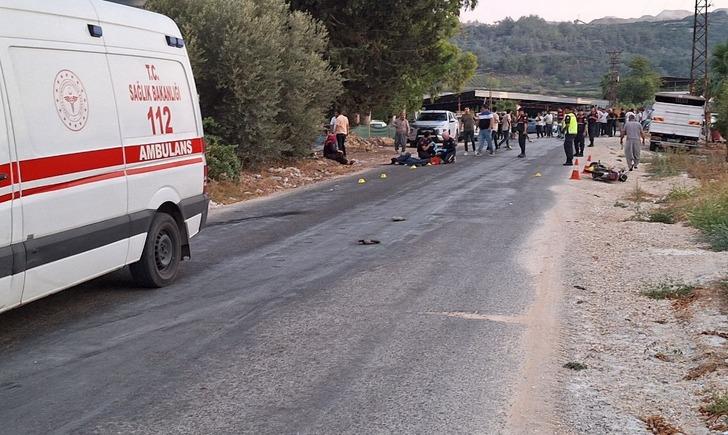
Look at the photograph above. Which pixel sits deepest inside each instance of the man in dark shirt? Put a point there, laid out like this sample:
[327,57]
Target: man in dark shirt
[593,125]
[611,122]
[522,129]
[468,121]
[580,132]
[448,148]
[425,146]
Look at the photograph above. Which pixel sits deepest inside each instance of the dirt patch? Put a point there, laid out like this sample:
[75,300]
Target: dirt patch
[659,426]
[646,356]
[366,153]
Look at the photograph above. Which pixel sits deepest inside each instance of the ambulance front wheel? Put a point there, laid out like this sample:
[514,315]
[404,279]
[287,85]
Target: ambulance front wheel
[162,254]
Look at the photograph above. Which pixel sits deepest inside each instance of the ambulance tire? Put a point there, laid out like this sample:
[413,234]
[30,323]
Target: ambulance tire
[162,254]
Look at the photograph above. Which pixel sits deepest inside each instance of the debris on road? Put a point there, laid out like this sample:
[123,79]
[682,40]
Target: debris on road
[398,219]
[369,242]
[576,366]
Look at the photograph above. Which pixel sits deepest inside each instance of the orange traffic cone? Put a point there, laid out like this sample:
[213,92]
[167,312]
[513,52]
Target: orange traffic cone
[586,166]
[575,173]
[588,160]
[576,162]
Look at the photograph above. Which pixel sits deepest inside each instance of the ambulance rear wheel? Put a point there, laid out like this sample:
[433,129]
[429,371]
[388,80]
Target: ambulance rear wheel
[162,254]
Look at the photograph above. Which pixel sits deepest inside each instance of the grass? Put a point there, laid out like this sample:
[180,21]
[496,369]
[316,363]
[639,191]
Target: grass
[669,289]
[704,207]
[668,164]
[663,216]
[638,194]
[718,405]
[679,193]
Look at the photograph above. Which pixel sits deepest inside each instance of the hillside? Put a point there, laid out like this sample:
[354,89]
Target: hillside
[531,54]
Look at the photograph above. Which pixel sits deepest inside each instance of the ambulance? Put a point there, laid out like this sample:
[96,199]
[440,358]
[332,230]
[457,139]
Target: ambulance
[101,147]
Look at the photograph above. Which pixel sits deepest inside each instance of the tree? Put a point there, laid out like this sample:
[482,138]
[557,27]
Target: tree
[260,72]
[641,82]
[390,53]
[719,66]
[721,107]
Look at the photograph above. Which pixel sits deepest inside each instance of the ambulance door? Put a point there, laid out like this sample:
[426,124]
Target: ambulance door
[11,285]
[74,195]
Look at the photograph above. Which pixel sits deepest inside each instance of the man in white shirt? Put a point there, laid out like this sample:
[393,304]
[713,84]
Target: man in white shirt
[549,120]
[603,122]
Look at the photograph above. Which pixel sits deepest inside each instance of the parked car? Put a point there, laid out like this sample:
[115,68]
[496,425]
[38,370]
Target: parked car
[377,124]
[436,122]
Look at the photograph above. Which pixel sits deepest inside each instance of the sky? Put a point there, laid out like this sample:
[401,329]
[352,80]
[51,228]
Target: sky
[489,11]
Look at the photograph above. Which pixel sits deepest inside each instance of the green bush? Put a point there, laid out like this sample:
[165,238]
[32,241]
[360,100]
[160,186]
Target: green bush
[260,72]
[222,160]
[711,217]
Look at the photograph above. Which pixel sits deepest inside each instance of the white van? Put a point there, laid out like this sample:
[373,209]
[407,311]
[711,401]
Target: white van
[101,146]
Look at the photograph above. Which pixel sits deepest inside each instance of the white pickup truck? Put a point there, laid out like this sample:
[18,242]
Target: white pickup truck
[678,120]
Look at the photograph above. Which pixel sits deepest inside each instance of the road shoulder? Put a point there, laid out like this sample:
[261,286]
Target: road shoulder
[637,364]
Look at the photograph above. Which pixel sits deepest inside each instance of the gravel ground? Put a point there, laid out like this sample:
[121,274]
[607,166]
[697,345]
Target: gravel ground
[637,350]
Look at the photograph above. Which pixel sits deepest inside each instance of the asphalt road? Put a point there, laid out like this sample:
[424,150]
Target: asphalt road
[281,323]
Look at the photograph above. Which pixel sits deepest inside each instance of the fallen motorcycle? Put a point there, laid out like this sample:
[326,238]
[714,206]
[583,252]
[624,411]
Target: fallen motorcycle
[601,172]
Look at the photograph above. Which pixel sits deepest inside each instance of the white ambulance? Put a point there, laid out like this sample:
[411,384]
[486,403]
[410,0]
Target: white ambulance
[101,147]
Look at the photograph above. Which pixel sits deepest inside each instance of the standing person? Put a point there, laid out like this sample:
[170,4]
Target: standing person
[621,119]
[560,123]
[580,132]
[549,120]
[341,130]
[633,132]
[593,125]
[570,130]
[539,127]
[495,127]
[332,123]
[602,122]
[402,130]
[485,119]
[507,123]
[522,129]
[468,121]
[611,122]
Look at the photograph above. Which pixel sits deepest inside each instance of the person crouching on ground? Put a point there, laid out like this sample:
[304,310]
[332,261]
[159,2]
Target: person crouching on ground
[634,132]
[331,152]
[425,146]
[448,149]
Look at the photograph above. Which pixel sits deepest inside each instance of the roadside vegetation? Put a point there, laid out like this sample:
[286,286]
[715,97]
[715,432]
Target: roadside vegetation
[271,72]
[669,289]
[704,207]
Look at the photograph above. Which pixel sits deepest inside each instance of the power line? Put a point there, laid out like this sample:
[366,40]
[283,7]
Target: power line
[699,63]
[615,59]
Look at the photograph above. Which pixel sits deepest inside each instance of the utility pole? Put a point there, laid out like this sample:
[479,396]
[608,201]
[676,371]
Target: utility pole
[615,58]
[699,64]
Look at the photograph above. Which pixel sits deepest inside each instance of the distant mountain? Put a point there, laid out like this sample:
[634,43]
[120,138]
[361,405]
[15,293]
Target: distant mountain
[531,54]
[667,15]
